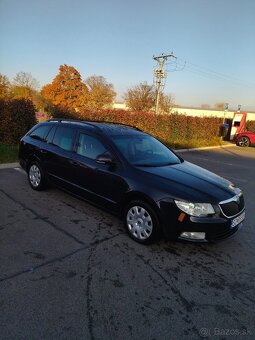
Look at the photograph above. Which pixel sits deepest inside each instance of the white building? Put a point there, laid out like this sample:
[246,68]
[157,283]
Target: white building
[196,112]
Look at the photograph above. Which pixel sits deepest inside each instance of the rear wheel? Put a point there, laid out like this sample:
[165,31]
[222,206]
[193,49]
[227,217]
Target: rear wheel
[141,222]
[243,141]
[36,177]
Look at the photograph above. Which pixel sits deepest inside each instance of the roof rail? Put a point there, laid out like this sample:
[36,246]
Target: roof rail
[73,121]
[65,120]
[90,122]
[114,123]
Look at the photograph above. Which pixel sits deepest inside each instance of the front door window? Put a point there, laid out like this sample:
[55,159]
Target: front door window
[90,146]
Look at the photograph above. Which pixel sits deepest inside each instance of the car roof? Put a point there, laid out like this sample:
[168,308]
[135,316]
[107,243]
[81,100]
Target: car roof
[108,128]
[117,128]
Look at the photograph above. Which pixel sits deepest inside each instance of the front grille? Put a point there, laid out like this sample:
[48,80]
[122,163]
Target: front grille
[232,206]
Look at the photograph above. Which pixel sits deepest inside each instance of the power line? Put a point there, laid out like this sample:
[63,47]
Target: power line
[211,74]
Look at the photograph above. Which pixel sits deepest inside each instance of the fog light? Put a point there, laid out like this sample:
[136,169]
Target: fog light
[193,235]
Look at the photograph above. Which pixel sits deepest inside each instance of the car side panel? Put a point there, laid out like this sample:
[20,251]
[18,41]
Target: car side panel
[29,151]
[252,138]
[104,185]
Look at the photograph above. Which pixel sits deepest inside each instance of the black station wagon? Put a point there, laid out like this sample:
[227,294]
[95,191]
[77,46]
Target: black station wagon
[134,175]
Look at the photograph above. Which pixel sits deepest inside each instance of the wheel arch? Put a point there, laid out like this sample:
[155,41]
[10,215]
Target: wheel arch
[244,136]
[32,159]
[139,196]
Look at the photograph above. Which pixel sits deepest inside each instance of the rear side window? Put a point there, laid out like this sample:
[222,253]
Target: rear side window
[40,132]
[90,146]
[64,138]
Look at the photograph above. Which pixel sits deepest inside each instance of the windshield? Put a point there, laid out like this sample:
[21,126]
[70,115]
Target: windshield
[144,150]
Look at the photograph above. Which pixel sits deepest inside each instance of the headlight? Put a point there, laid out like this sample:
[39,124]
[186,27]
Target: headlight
[195,209]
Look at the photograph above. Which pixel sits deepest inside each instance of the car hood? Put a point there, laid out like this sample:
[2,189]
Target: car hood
[187,181]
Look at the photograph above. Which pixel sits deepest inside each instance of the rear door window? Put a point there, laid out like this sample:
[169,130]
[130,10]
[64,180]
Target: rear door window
[64,138]
[40,132]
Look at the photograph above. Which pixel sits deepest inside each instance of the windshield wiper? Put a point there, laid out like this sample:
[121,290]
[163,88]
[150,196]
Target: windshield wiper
[154,165]
[145,165]
[166,164]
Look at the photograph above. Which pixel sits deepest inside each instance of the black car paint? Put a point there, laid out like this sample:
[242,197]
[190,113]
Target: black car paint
[112,186]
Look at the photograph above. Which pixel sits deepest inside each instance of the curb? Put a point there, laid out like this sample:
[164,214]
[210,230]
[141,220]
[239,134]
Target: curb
[9,165]
[204,148]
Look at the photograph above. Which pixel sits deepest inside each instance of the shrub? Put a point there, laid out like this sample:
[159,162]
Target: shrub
[175,130]
[250,125]
[60,112]
[16,118]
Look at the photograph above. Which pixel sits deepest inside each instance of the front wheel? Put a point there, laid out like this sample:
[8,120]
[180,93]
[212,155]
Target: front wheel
[243,141]
[141,222]
[36,177]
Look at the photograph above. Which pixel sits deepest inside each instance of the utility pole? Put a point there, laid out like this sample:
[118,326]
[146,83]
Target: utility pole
[160,74]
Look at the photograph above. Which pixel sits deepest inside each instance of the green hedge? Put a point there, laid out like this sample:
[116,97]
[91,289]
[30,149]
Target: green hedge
[18,116]
[175,130]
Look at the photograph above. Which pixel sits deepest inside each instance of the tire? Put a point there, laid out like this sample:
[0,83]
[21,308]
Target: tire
[141,222]
[36,177]
[243,141]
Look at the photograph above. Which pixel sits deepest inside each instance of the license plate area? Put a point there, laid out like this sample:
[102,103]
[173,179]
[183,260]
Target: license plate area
[237,220]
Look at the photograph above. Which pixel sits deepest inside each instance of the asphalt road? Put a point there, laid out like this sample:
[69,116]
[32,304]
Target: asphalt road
[69,271]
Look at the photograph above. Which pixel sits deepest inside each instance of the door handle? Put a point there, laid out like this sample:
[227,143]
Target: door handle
[43,151]
[74,163]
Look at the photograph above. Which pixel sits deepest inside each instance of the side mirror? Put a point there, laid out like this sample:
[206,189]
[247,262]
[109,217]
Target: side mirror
[105,159]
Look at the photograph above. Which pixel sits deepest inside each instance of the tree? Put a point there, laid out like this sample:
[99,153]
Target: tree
[165,103]
[41,103]
[24,86]
[23,79]
[143,96]
[5,86]
[22,92]
[220,106]
[66,89]
[140,97]
[100,93]
[205,106]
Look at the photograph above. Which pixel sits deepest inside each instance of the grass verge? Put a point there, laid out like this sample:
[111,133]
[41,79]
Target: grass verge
[8,153]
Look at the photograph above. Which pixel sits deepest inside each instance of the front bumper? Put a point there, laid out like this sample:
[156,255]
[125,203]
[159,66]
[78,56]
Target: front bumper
[210,236]
[215,228]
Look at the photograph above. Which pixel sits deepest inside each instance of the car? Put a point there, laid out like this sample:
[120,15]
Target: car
[135,176]
[245,138]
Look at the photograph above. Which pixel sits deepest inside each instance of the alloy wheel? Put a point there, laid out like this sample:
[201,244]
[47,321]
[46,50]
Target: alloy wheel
[244,141]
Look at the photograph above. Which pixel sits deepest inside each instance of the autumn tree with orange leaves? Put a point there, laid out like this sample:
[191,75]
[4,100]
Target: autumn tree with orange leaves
[67,89]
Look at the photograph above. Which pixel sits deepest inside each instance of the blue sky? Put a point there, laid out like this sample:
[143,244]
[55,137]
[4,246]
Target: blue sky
[213,40]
